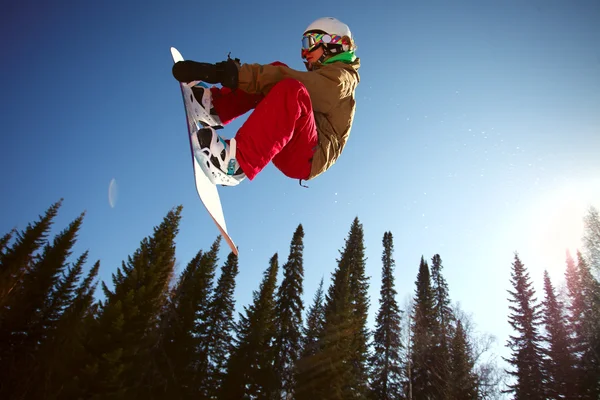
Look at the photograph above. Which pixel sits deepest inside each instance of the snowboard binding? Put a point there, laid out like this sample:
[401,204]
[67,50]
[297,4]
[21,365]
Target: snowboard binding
[216,157]
[202,109]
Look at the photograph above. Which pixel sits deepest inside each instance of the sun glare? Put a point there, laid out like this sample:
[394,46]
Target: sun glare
[558,227]
[562,228]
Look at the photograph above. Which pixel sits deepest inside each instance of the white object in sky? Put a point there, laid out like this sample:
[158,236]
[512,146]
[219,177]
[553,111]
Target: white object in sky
[112,193]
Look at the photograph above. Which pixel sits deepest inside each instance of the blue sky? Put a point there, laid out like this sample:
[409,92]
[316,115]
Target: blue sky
[477,134]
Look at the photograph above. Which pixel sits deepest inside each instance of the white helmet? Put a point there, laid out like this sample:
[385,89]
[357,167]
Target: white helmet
[329,33]
[329,25]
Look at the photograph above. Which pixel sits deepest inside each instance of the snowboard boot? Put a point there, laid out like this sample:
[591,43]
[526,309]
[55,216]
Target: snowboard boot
[217,157]
[207,115]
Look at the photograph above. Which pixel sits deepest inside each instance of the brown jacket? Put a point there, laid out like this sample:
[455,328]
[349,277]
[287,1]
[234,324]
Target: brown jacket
[331,88]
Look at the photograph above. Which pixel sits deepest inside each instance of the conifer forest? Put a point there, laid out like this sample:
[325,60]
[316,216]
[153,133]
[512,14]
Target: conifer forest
[150,334]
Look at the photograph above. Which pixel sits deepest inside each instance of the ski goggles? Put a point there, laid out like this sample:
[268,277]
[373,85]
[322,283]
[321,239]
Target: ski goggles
[311,40]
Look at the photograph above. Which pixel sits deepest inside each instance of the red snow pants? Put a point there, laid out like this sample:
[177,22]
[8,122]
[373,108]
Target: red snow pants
[281,128]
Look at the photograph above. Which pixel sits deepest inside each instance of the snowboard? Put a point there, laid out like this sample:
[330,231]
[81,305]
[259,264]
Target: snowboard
[197,119]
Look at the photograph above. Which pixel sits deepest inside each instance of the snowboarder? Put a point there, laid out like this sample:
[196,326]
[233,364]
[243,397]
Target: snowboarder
[301,119]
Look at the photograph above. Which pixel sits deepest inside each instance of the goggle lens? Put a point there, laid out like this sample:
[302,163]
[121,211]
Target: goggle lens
[308,42]
[311,40]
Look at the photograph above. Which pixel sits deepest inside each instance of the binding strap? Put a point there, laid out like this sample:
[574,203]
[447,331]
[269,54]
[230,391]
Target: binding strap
[231,165]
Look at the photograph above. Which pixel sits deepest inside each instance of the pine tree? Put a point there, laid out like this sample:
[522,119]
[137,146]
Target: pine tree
[173,358]
[250,371]
[335,370]
[591,243]
[462,381]
[594,326]
[423,338]
[386,368]
[345,335]
[575,327]
[288,313]
[4,240]
[16,260]
[443,330]
[591,239]
[38,295]
[576,305]
[315,321]
[309,366]
[221,325]
[526,356]
[64,292]
[65,353]
[184,343]
[128,320]
[202,328]
[588,334]
[354,255]
[559,362]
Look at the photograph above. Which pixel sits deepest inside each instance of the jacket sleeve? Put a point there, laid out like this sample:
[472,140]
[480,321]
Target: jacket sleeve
[325,88]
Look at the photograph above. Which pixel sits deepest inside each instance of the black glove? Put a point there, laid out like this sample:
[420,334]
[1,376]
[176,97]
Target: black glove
[225,73]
